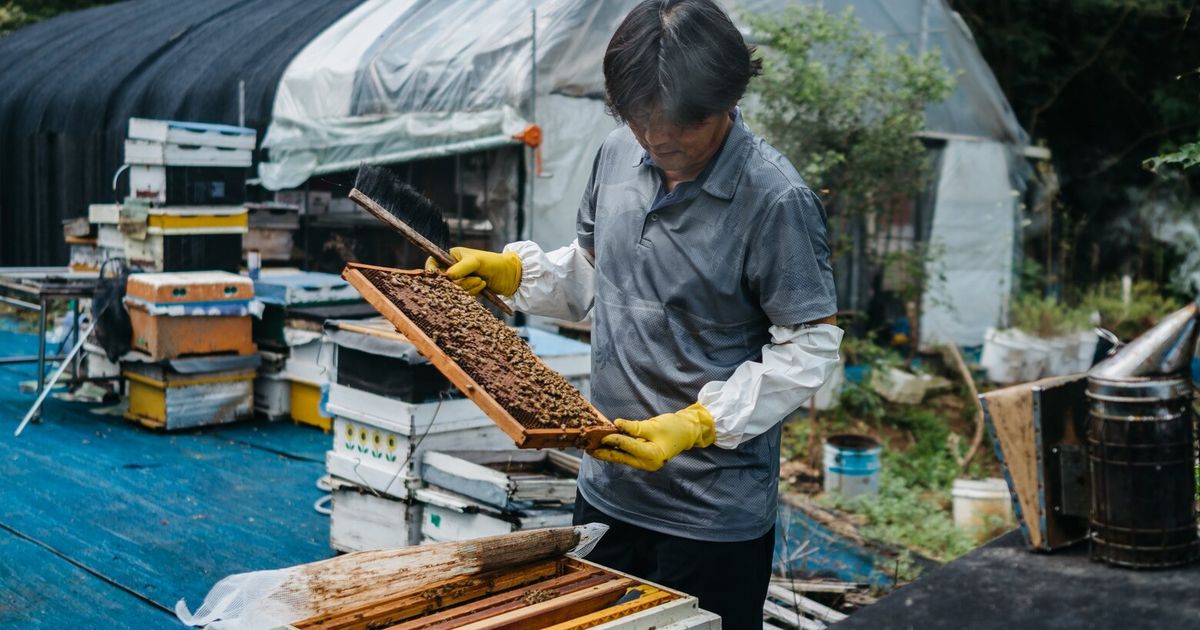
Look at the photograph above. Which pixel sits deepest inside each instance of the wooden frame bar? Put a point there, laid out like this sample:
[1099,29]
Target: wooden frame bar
[524,437]
[454,591]
[564,593]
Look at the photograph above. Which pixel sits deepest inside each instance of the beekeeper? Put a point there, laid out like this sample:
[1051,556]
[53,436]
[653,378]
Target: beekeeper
[703,258]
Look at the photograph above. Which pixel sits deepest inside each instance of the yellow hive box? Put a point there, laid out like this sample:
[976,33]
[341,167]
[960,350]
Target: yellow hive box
[198,220]
[161,398]
[306,405]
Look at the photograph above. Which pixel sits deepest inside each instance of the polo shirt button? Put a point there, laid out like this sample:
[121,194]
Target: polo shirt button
[654,217]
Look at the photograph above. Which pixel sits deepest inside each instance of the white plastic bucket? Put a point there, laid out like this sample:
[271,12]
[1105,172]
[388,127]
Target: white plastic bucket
[852,464]
[975,501]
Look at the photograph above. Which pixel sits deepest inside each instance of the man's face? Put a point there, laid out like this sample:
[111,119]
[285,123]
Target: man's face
[680,148]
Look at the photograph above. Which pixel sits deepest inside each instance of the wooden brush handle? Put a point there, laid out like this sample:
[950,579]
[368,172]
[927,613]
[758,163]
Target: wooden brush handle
[416,238]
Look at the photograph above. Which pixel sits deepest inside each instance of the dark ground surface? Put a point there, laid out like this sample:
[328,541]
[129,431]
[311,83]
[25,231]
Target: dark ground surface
[1002,585]
[105,524]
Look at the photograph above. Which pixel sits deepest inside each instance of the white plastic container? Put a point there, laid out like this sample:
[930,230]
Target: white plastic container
[975,501]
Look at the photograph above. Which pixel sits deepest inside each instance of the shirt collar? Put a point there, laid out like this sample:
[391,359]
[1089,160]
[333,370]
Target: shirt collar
[721,175]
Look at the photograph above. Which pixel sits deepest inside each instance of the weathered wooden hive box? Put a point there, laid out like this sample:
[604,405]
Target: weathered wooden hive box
[553,594]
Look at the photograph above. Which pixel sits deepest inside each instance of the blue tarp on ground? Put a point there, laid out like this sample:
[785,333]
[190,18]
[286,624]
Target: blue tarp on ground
[106,524]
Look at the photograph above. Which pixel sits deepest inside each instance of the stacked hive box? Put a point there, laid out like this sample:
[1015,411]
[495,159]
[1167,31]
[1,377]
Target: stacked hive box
[472,494]
[390,407]
[296,362]
[194,359]
[185,209]
[272,230]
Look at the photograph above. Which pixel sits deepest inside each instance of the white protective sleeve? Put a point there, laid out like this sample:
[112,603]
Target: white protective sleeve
[559,283]
[759,394]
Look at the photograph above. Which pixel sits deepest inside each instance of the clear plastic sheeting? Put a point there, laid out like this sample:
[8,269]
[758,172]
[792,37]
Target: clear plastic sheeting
[402,80]
[973,237]
[406,80]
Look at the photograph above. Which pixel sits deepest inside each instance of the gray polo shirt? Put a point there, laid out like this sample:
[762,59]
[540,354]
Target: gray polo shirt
[687,286]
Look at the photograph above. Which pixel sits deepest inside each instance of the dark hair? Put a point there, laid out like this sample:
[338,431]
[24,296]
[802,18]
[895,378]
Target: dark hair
[684,56]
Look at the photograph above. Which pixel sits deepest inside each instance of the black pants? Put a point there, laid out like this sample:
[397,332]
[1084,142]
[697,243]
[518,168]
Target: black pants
[729,578]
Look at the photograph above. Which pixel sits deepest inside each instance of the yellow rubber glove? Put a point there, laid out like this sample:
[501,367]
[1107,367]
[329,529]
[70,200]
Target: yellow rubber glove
[476,269]
[648,444]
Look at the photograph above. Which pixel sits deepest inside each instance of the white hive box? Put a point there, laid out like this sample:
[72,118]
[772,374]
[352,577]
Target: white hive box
[363,519]
[382,450]
[192,133]
[272,396]
[448,517]
[508,479]
[148,182]
[158,154]
[310,357]
[104,213]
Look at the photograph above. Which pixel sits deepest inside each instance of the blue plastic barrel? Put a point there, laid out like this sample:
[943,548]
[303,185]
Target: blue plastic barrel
[852,464]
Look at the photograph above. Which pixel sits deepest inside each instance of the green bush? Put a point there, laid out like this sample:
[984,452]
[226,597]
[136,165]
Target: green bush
[1046,316]
[1147,305]
[906,515]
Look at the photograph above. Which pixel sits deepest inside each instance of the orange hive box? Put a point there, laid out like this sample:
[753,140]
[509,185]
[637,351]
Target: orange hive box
[519,423]
[189,287]
[190,313]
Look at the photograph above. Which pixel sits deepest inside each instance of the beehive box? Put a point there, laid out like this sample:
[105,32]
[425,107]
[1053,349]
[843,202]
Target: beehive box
[305,405]
[362,519]
[195,220]
[163,397]
[554,594]
[378,442]
[507,480]
[190,287]
[447,517]
[484,358]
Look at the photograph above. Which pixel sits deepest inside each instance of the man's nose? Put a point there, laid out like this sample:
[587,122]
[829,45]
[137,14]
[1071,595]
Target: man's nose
[658,137]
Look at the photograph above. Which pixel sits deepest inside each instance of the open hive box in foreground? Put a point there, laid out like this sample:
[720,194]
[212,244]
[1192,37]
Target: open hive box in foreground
[483,357]
[528,579]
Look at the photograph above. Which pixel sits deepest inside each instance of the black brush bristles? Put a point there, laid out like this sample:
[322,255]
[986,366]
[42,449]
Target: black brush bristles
[404,202]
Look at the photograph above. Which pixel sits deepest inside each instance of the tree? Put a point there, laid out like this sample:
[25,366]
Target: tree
[1105,84]
[845,109]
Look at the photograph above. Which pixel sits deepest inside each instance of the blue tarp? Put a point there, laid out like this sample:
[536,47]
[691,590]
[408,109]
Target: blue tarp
[106,524]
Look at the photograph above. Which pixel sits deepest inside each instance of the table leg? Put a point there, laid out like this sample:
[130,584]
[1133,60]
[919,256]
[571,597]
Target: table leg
[75,339]
[41,364]
[41,345]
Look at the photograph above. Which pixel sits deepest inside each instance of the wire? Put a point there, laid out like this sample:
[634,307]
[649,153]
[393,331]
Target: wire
[411,452]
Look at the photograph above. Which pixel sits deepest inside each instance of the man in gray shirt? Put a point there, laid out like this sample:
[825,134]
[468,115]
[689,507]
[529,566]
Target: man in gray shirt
[703,258]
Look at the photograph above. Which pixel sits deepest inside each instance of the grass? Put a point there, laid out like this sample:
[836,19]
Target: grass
[920,464]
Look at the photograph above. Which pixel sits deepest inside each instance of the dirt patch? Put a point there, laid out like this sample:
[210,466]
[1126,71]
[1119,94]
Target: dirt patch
[486,349]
